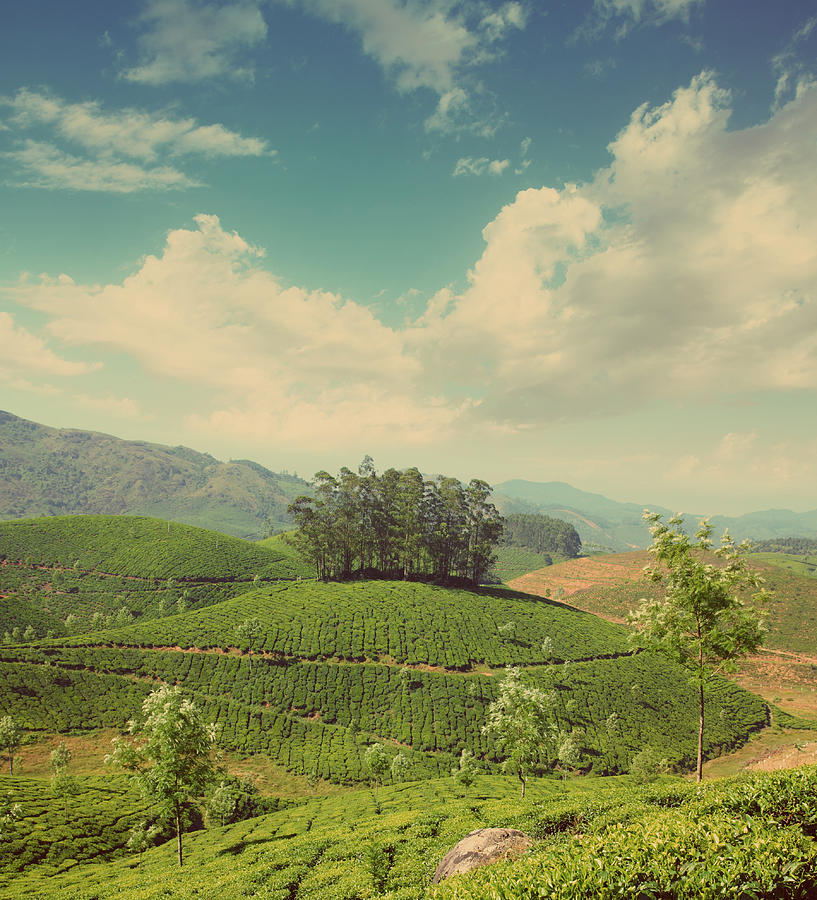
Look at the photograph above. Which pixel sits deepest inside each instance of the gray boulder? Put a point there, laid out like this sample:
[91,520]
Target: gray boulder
[479,848]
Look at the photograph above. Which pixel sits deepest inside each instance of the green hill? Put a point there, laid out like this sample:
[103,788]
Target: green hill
[82,566]
[49,471]
[309,673]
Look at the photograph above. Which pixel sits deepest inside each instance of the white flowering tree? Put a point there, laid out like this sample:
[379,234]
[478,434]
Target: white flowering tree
[173,765]
[520,721]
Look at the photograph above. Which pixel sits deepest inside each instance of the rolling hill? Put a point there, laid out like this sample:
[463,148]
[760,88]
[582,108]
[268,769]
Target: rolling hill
[99,566]
[308,675]
[48,471]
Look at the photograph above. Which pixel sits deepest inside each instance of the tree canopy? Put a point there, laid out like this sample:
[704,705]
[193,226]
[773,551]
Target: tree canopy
[522,726]
[397,525]
[542,534]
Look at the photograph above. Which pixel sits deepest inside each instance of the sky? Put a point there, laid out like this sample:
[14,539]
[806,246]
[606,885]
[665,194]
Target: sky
[491,238]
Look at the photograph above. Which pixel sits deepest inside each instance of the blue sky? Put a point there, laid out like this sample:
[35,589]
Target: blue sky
[555,241]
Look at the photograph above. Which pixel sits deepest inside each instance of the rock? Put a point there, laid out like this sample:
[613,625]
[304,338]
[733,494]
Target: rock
[479,848]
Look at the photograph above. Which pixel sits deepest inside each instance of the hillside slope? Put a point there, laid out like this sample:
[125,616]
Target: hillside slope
[310,673]
[611,585]
[87,566]
[49,471]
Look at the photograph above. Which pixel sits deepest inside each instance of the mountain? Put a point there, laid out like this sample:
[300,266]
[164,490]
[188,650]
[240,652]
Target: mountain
[605,524]
[49,471]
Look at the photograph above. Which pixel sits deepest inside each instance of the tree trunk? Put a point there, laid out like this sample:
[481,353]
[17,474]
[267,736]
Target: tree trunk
[179,832]
[524,785]
[700,771]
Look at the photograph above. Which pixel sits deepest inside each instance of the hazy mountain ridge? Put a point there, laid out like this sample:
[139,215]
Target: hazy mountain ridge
[603,523]
[50,471]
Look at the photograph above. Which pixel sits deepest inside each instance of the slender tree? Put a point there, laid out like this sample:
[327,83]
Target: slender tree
[10,737]
[701,621]
[522,726]
[173,765]
[377,762]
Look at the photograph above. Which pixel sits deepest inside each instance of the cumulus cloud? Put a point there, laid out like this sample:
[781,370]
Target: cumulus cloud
[189,41]
[467,165]
[687,265]
[683,271]
[273,357]
[125,150]
[23,355]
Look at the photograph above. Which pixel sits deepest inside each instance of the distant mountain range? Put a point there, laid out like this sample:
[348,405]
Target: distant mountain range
[49,471]
[605,524]
[56,471]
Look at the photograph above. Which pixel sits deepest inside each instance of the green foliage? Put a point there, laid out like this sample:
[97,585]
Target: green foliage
[50,472]
[603,839]
[232,800]
[466,770]
[400,767]
[10,737]
[78,573]
[647,766]
[377,763]
[512,562]
[521,725]
[541,534]
[172,766]
[43,838]
[701,621]
[397,524]
[408,621]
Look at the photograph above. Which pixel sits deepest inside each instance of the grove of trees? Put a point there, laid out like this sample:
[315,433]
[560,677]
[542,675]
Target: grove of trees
[542,534]
[397,525]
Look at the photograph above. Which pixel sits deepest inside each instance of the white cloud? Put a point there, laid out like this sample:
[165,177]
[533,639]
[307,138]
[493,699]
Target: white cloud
[482,166]
[121,407]
[291,361]
[684,271]
[686,268]
[627,14]
[111,142]
[127,132]
[780,465]
[42,165]
[189,41]
[792,73]
[24,355]
[429,44]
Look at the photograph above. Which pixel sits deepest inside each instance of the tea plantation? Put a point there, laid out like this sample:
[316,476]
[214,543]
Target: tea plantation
[750,836]
[117,568]
[321,670]
[309,675]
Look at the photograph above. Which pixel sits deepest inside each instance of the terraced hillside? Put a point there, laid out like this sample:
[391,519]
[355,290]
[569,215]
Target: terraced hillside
[75,573]
[310,673]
